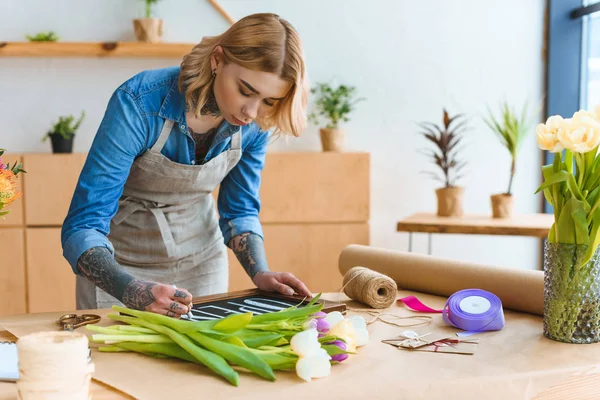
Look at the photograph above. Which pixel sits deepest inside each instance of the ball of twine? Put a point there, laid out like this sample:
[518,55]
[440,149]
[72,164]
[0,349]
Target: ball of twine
[370,287]
[54,365]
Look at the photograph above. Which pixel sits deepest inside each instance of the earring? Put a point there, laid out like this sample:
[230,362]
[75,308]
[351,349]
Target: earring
[214,73]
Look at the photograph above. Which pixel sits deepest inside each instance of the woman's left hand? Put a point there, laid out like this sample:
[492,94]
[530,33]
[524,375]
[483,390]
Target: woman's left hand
[282,282]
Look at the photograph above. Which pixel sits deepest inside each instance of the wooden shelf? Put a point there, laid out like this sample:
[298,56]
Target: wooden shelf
[94,49]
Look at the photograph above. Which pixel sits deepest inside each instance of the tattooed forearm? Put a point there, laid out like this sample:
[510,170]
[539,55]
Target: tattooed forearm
[249,249]
[138,294]
[99,266]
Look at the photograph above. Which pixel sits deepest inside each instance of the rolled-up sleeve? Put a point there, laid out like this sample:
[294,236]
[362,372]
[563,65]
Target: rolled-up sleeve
[239,193]
[121,137]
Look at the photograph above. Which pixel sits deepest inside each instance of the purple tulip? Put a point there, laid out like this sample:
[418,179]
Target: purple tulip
[338,357]
[319,314]
[323,325]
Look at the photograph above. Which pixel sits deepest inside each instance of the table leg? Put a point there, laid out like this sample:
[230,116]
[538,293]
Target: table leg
[429,243]
[410,242]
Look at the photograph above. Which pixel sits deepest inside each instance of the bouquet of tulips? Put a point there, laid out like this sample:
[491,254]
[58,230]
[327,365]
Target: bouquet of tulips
[303,339]
[572,184]
[8,183]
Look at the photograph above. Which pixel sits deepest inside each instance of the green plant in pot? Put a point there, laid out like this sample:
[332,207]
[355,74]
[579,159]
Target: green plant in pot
[148,29]
[446,139]
[511,129]
[49,36]
[333,105]
[63,132]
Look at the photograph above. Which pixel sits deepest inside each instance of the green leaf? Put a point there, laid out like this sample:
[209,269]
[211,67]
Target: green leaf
[233,323]
[286,314]
[566,225]
[552,234]
[235,354]
[579,215]
[563,176]
[594,237]
[213,361]
[180,326]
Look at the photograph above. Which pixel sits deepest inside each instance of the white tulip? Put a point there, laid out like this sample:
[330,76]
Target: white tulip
[547,134]
[305,342]
[316,365]
[313,361]
[360,329]
[582,132]
[333,318]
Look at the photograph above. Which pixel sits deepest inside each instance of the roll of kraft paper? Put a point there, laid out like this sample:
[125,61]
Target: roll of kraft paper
[472,310]
[518,289]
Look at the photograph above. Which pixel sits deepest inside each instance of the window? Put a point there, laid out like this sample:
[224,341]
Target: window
[573,76]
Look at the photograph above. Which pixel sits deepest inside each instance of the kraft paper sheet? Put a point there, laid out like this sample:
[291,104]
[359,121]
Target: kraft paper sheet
[514,363]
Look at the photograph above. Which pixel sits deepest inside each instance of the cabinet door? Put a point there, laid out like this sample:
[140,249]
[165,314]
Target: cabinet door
[50,280]
[315,187]
[15,215]
[49,186]
[12,272]
[309,251]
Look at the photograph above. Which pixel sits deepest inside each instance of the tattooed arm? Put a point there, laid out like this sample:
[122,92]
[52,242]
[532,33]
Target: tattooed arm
[99,266]
[249,249]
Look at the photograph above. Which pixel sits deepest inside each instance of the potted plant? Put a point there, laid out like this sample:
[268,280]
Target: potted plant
[511,130]
[49,36]
[148,29]
[62,133]
[333,105]
[446,138]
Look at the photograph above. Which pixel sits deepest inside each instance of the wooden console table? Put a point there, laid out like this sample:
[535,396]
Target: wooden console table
[537,225]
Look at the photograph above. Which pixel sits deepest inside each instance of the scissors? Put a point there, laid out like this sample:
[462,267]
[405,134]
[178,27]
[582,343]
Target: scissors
[74,321]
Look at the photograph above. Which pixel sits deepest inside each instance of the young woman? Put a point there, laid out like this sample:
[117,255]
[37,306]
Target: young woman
[142,223]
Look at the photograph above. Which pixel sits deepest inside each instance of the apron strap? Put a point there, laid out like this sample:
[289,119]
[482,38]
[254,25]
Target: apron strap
[164,135]
[236,140]
[165,230]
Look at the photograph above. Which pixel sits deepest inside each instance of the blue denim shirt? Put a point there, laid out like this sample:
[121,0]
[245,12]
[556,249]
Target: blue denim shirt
[131,125]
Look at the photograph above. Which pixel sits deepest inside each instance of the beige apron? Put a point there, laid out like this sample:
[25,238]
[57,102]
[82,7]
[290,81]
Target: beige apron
[166,228]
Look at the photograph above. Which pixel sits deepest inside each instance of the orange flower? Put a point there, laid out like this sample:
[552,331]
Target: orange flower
[8,187]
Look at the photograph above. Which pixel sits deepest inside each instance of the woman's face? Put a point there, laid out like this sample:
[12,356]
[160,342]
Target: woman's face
[244,95]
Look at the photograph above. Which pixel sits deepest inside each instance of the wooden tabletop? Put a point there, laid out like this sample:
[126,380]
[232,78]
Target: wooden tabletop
[536,225]
[583,384]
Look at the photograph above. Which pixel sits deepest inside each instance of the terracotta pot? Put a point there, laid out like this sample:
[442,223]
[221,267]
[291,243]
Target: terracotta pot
[332,139]
[148,30]
[502,205]
[449,201]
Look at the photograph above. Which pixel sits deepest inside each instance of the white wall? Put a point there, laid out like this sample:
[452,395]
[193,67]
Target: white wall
[409,58]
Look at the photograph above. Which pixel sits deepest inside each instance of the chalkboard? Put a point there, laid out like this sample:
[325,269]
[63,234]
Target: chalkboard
[255,301]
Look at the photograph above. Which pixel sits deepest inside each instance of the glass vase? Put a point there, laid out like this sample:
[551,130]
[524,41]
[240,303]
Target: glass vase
[571,294]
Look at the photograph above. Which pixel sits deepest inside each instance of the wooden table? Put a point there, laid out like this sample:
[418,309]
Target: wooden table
[537,225]
[535,367]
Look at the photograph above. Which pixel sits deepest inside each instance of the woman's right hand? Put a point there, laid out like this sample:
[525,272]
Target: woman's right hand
[157,298]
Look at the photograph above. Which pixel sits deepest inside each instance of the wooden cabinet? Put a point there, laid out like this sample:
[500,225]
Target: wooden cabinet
[309,251]
[313,205]
[50,280]
[49,186]
[12,271]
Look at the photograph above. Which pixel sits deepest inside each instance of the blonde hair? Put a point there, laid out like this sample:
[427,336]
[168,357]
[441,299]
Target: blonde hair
[261,42]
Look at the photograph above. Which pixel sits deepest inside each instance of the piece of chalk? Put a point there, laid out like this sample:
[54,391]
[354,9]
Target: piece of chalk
[189,314]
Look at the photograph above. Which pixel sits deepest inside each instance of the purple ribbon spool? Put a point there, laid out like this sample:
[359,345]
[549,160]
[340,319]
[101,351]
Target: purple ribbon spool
[474,310]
